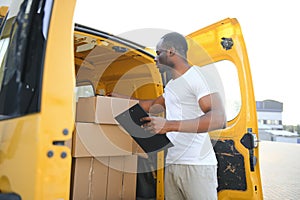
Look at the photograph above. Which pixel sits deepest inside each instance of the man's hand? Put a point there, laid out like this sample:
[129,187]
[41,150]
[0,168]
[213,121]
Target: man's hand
[156,125]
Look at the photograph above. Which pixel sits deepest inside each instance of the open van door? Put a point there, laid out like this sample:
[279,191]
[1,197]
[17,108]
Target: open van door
[222,46]
[37,104]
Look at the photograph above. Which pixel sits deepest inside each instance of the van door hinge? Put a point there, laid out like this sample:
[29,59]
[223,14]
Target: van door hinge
[249,140]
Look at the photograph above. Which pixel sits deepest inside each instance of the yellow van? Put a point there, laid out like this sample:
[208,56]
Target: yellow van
[55,74]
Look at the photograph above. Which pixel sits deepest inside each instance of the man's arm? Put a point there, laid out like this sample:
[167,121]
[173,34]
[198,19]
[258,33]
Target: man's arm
[153,106]
[214,118]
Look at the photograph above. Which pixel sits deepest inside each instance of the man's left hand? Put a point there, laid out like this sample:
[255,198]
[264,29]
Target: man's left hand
[155,124]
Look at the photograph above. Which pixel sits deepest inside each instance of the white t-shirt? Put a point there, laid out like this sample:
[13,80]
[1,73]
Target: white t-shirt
[181,100]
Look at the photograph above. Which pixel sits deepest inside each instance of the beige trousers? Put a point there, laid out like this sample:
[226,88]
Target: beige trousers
[191,182]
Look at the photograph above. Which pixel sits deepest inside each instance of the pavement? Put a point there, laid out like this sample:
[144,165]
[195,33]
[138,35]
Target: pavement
[280,170]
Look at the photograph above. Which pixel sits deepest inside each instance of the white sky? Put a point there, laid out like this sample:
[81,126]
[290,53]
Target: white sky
[270,28]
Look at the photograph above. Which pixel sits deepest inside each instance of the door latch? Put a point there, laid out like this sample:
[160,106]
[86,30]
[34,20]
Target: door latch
[249,140]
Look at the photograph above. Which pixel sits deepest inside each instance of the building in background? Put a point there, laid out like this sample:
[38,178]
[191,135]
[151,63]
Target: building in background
[270,126]
[269,112]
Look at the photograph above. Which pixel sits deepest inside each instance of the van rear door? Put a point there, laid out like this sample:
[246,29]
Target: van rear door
[37,105]
[221,45]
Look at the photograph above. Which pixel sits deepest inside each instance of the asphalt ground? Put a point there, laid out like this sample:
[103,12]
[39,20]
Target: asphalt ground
[280,170]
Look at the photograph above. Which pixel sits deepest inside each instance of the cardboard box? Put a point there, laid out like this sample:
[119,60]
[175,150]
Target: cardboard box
[122,177]
[137,150]
[94,140]
[89,180]
[101,109]
[129,177]
[104,178]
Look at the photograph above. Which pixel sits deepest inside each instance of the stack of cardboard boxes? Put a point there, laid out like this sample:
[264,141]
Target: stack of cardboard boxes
[104,154]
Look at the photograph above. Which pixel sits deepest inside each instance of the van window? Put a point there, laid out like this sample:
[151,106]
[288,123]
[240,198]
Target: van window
[230,81]
[22,47]
[84,89]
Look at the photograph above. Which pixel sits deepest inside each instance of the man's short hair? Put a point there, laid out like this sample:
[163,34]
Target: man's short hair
[176,41]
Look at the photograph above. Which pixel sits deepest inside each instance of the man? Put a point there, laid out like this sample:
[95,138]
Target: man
[192,109]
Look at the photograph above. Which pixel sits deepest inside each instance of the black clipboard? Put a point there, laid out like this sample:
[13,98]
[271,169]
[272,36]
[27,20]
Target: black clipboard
[149,142]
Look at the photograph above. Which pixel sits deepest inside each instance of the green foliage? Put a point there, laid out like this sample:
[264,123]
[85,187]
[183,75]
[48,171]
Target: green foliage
[292,128]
